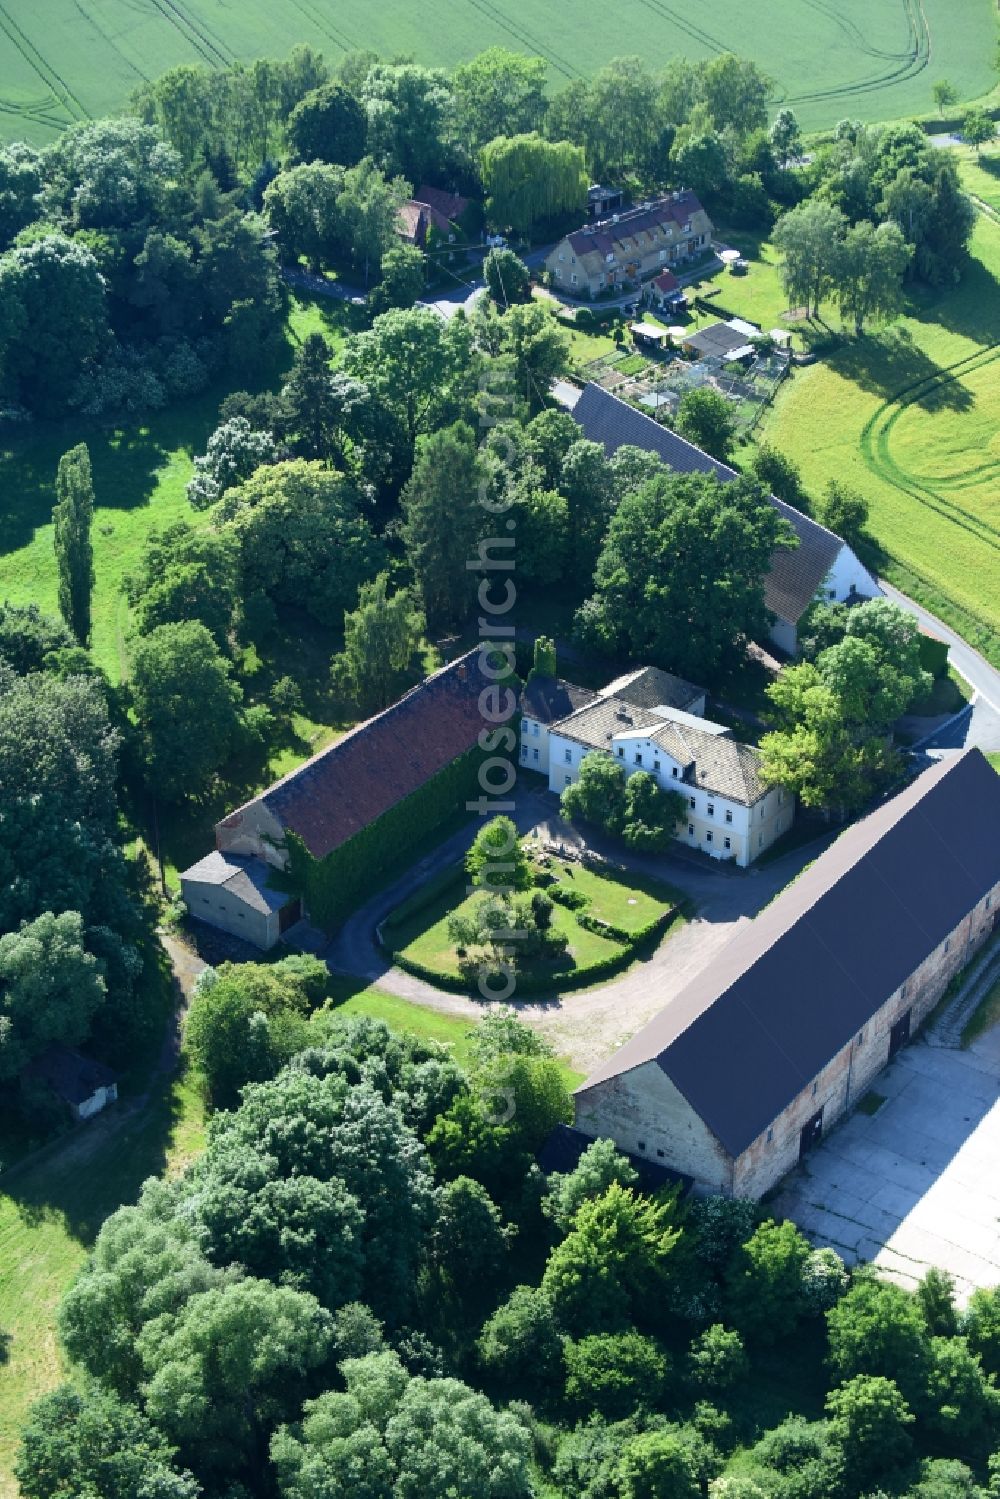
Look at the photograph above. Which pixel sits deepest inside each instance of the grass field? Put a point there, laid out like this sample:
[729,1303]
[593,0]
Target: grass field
[62,60]
[912,417]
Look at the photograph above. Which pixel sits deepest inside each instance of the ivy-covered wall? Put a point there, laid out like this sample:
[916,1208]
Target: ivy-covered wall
[335,886]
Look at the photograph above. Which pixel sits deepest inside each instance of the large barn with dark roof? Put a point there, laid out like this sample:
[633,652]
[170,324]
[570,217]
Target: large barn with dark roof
[740,1075]
[822,565]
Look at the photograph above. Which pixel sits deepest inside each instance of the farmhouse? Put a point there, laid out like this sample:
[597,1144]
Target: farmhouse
[743,1073]
[822,565]
[622,250]
[303,845]
[432,211]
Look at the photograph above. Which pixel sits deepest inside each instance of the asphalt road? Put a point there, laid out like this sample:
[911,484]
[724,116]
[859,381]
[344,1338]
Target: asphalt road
[980,723]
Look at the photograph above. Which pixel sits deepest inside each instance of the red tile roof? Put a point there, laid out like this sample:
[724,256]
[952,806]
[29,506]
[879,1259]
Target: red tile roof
[380,762]
[415,218]
[450,205]
[666,282]
[609,234]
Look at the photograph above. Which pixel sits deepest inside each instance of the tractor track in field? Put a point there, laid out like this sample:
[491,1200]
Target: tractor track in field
[110,42]
[52,80]
[521,34]
[688,27]
[337,36]
[209,52]
[875,448]
[911,62]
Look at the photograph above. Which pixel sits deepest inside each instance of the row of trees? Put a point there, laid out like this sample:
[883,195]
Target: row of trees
[366,1286]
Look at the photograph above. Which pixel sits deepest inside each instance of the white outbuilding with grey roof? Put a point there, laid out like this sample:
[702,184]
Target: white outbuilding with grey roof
[237,894]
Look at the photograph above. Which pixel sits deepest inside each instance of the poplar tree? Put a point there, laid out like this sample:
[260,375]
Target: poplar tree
[72,517]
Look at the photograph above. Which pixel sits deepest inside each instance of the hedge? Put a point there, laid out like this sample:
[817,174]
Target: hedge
[335,886]
[424,897]
[536,983]
[934,655]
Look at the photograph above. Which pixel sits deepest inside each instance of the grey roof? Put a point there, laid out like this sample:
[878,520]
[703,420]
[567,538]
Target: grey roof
[649,687]
[719,339]
[796,573]
[550,698]
[715,762]
[74,1078]
[248,879]
[792,987]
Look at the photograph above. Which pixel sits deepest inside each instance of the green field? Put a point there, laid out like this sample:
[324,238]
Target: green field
[912,418]
[66,60]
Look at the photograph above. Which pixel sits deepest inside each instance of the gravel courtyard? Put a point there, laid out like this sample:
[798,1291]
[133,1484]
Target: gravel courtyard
[915,1184]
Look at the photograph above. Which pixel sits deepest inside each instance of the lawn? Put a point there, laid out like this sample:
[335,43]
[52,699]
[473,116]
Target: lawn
[868,59]
[418,931]
[981,175]
[50,1211]
[911,416]
[756,294]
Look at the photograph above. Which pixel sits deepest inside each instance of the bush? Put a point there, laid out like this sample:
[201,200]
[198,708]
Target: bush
[614,1373]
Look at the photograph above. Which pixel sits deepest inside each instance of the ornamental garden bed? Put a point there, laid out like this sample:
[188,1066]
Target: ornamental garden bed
[609,918]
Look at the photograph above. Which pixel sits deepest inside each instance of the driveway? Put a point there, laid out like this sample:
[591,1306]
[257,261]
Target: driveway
[916,1183]
[584,1026]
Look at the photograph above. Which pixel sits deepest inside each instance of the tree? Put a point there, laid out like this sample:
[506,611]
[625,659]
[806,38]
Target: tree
[469,1243]
[735,93]
[529,180]
[498,93]
[302,538]
[20,189]
[867,1423]
[380,637]
[229,1369]
[407,108]
[779,474]
[303,205]
[520,1346]
[657,1463]
[600,1165]
[981,1327]
[699,158]
[598,795]
[706,418]
[51,988]
[234,453]
[443,521]
[59,848]
[402,281]
[497,859]
[809,238]
[29,639]
[869,270]
[764,1282]
[548,437]
[611,1262]
[878,1328]
[187,574]
[680,578]
[717,1360]
[186,708]
[844,510]
[368,206]
[537,347]
[242,1027]
[651,814]
[72,519]
[310,406]
[91,1442]
[785,136]
[977,129]
[507,278]
[587,480]
[52,318]
[328,124]
[613,1373]
[944,94]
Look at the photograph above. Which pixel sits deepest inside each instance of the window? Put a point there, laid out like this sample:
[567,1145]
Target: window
[660,1154]
[729,814]
[534,730]
[762,814]
[690,829]
[815,1088]
[656,764]
[710,809]
[691,799]
[621,752]
[760,840]
[902,992]
[569,757]
[831,593]
[641,1144]
[524,726]
[663,254]
[861,1038]
[573,278]
[989,901]
[728,842]
[947,944]
[708,837]
[562,256]
[534,755]
[638,758]
[770,1136]
[567,780]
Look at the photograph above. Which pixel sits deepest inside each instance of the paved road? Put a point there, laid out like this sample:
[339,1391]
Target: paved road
[980,724]
[583,1026]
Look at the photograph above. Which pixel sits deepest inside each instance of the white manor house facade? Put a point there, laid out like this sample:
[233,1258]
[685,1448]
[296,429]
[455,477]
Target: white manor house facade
[650,720]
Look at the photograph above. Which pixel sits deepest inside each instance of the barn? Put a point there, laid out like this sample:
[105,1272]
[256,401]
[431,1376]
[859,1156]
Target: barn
[741,1075]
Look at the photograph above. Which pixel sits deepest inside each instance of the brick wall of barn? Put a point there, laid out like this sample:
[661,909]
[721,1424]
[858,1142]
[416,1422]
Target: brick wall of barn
[849,1075]
[645,1115]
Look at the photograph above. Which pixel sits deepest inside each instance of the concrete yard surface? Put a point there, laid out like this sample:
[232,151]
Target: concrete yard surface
[916,1183]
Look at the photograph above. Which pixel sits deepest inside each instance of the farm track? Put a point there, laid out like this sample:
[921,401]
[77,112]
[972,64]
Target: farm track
[52,80]
[877,456]
[912,61]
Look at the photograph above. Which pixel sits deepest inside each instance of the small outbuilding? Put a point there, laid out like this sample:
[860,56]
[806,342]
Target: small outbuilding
[649,335]
[83,1085]
[666,293]
[240,895]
